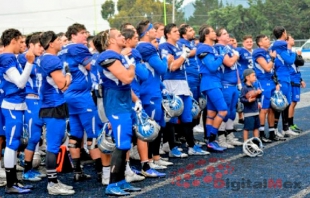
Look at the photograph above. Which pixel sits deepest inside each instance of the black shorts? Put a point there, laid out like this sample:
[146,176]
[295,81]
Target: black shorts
[251,123]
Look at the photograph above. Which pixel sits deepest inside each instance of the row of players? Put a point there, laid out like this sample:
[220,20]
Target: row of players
[130,72]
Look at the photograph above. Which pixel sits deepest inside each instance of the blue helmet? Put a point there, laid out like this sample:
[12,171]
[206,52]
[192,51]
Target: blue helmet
[278,101]
[105,141]
[173,105]
[146,128]
[195,108]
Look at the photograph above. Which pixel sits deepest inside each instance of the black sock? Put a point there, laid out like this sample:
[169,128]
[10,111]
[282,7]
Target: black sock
[291,121]
[212,138]
[118,165]
[10,177]
[261,131]
[77,165]
[98,166]
[145,166]
[219,133]
[28,166]
[51,167]
[276,124]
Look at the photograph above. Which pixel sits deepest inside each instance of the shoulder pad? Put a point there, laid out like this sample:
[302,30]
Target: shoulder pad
[202,55]
[107,62]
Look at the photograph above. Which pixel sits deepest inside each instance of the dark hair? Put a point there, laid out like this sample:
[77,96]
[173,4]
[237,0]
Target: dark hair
[74,29]
[33,38]
[142,26]
[123,26]
[183,29]
[46,38]
[128,33]
[245,37]
[259,38]
[10,34]
[97,42]
[278,31]
[232,36]
[157,25]
[219,31]
[168,29]
[203,31]
[60,34]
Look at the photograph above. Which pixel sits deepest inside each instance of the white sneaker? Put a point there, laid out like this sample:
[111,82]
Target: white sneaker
[166,148]
[65,186]
[2,183]
[234,136]
[156,166]
[196,150]
[58,189]
[223,142]
[278,133]
[231,140]
[131,176]
[161,162]
[134,154]
[2,173]
[198,129]
[290,132]
[19,168]
[161,152]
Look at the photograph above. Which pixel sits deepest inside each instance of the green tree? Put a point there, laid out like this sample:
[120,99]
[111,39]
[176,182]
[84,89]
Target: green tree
[134,11]
[107,9]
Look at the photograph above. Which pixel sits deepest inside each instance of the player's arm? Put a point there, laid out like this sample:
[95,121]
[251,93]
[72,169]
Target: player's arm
[119,71]
[212,62]
[230,61]
[60,80]
[264,64]
[159,65]
[288,57]
[18,79]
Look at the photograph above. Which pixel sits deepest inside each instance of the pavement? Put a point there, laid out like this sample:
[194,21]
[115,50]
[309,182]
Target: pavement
[283,170]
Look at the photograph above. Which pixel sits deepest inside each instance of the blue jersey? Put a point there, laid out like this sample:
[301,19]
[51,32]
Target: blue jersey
[141,72]
[95,76]
[191,65]
[176,51]
[12,93]
[229,76]
[117,96]
[32,84]
[157,67]
[78,95]
[210,67]
[50,94]
[261,74]
[284,60]
[245,61]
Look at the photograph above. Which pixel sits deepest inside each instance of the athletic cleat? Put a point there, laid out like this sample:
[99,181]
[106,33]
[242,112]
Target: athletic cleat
[19,168]
[131,176]
[30,176]
[37,173]
[223,142]
[196,150]
[265,140]
[162,162]
[213,146]
[115,190]
[105,180]
[278,133]
[152,173]
[58,189]
[16,190]
[156,166]
[65,186]
[81,177]
[21,185]
[166,148]
[230,139]
[198,129]
[127,187]
[295,128]
[176,153]
[278,138]
[290,132]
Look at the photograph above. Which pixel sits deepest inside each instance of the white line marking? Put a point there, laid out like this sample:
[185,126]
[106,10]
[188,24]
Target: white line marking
[169,180]
[302,193]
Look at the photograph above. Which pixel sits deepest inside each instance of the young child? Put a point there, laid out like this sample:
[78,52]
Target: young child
[251,105]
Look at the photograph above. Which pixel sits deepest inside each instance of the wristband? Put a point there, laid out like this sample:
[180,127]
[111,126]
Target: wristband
[272,59]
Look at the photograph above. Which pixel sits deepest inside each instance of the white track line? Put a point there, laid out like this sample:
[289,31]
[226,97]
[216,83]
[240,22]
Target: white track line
[235,157]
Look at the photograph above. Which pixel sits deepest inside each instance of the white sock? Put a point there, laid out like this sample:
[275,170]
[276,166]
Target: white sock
[230,124]
[0,164]
[222,126]
[106,171]
[128,169]
[9,158]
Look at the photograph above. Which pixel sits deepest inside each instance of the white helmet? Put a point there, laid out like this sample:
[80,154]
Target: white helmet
[253,147]
[278,101]
[202,102]
[146,128]
[195,108]
[105,141]
[173,105]
[36,160]
[240,106]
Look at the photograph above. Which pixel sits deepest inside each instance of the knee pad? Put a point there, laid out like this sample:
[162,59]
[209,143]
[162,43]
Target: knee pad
[211,118]
[93,144]
[77,144]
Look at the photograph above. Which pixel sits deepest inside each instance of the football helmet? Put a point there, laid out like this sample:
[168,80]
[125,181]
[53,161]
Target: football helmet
[105,141]
[202,102]
[173,105]
[240,106]
[253,147]
[146,128]
[24,139]
[195,108]
[278,101]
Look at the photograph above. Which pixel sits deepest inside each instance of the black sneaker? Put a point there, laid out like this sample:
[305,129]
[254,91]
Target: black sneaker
[265,140]
[81,177]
